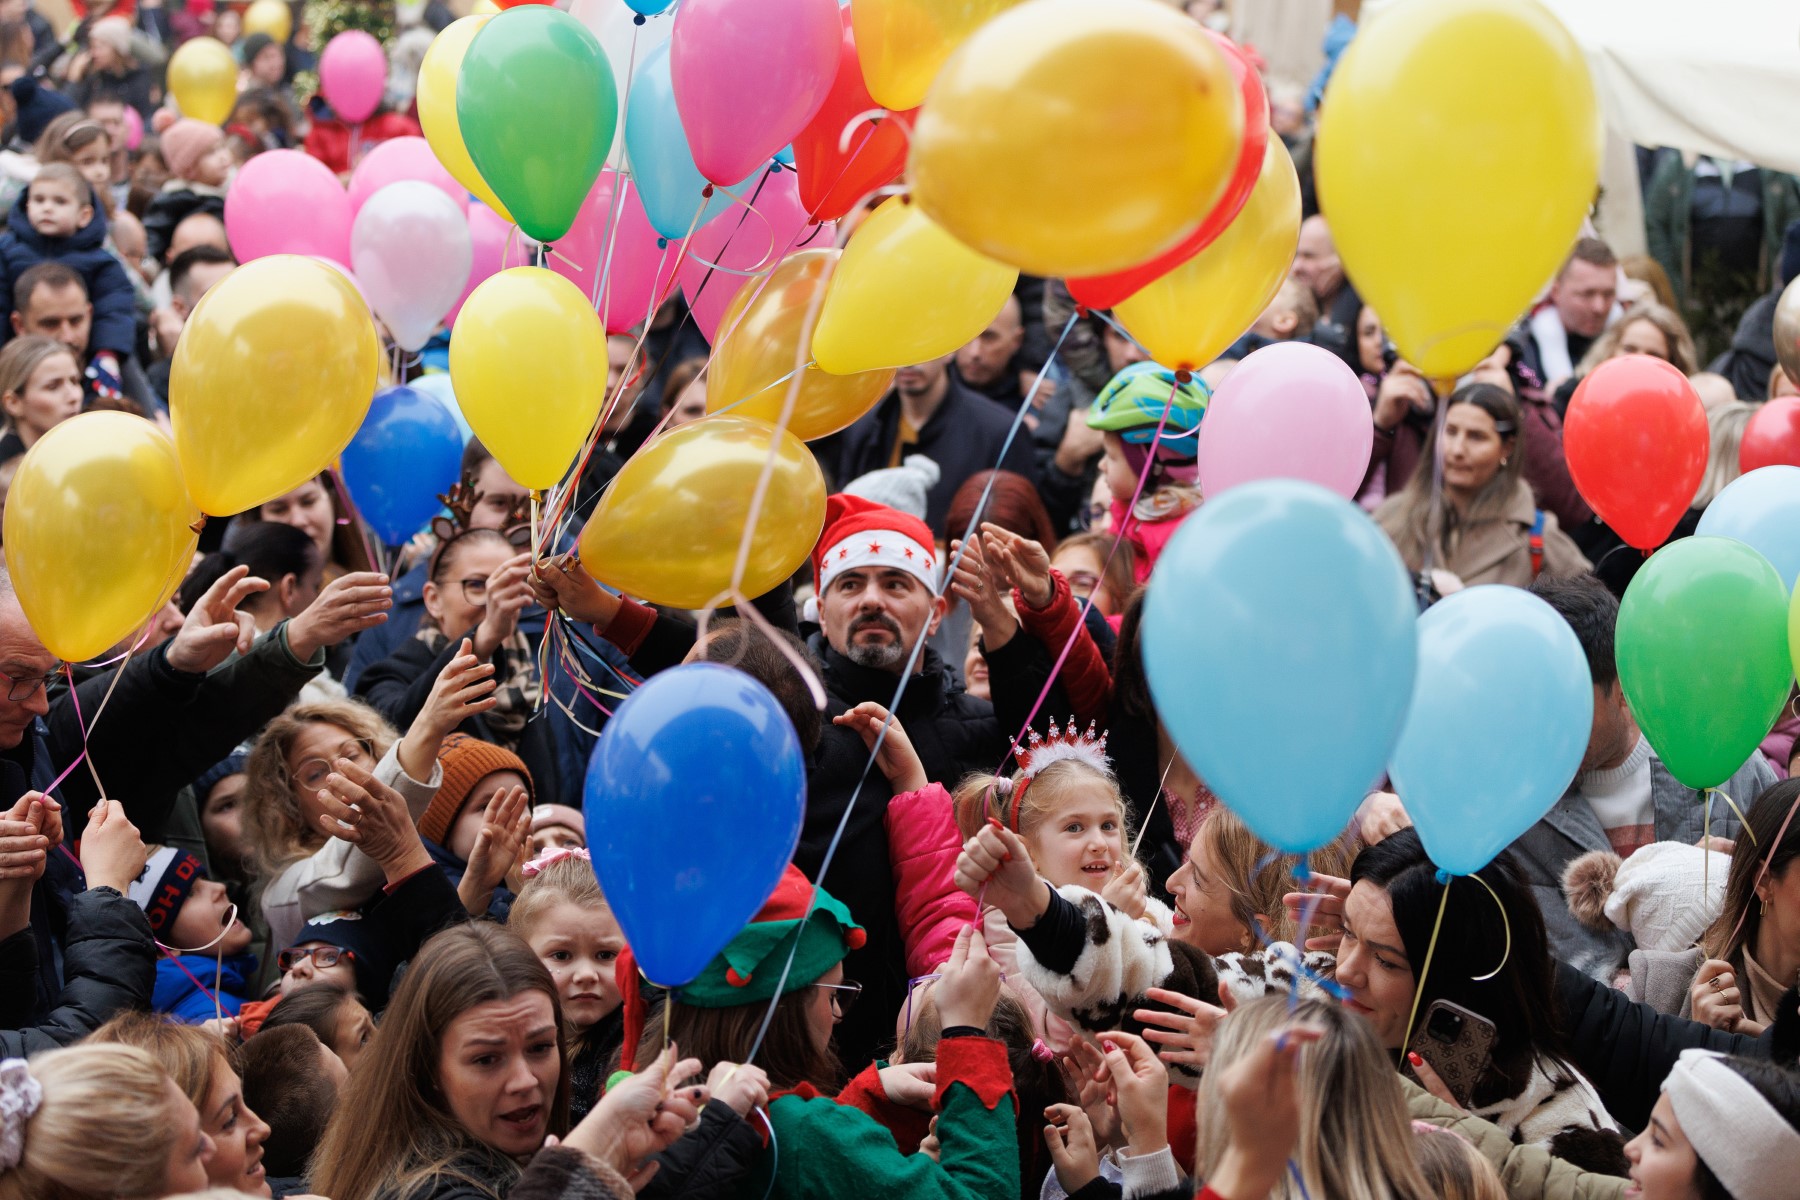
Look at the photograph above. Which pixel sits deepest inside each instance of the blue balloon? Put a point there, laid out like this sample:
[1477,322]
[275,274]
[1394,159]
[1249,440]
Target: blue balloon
[1500,720]
[694,800]
[1762,510]
[1280,647]
[649,8]
[408,452]
[662,166]
[438,385]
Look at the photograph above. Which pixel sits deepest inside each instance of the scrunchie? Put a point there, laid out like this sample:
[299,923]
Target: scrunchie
[554,855]
[20,1097]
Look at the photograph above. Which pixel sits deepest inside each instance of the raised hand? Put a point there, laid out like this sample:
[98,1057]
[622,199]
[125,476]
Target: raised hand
[1127,890]
[1325,898]
[1073,1149]
[987,599]
[1018,562]
[913,1085]
[1185,1036]
[112,849]
[899,762]
[214,627]
[639,1116]
[508,593]
[344,608]
[1140,1083]
[372,816]
[969,984]
[743,1086]
[996,858]
[562,583]
[503,844]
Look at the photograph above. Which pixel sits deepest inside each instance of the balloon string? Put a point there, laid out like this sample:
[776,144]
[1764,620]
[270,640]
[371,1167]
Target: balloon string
[1505,925]
[1705,838]
[1430,949]
[1738,812]
[603,268]
[1145,825]
[1762,872]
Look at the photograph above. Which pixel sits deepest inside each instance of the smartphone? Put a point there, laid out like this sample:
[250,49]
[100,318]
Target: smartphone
[1459,1045]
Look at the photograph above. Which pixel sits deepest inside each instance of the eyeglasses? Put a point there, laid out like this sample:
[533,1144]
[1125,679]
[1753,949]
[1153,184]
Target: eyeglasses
[312,772]
[843,995]
[1083,582]
[321,956]
[474,590]
[24,689]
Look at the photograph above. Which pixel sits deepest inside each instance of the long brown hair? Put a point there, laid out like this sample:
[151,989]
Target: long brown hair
[1257,876]
[1741,918]
[277,835]
[1415,522]
[393,1131]
[716,1035]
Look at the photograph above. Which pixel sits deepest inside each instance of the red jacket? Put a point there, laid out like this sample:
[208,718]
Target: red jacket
[329,141]
[1084,675]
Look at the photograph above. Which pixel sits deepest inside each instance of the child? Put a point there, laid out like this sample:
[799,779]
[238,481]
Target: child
[82,142]
[206,966]
[58,222]
[200,162]
[564,918]
[1129,410]
[478,825]
[557,827]
[1453,1167]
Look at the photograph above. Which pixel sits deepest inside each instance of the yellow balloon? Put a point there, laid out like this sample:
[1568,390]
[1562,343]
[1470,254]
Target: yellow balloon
[97,531]
[905,292]
[271,17]
[203,79]
[760,337]
[529,368]
[669,527]
[1068,137]
[437,106]
[1458,151]
[271,379]
[1185,318]
[485,8]
[901,44]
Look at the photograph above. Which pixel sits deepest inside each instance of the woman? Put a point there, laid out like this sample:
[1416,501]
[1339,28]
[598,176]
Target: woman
[109,1125]
[1484,526]
[464,1084]
[1723,1129]
[1649,329]
[1097,565]
[315,509]
[40,388]
[1228,891]
[1494,962]
[684,393]
[197,1061]
[1355,1138]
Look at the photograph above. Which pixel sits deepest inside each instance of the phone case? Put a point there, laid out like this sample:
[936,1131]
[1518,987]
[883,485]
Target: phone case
[1460,1063]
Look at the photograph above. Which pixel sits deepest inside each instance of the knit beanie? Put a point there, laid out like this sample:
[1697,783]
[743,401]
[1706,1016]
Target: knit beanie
[163,887]
[356,933]
[186,142]
[114,33]
[219,772]
[902,488]
[1665,895]
[37,107]
[466,761]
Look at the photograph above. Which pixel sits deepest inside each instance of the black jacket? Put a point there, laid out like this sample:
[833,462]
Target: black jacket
[170,209]
[708,1162]
[109,967]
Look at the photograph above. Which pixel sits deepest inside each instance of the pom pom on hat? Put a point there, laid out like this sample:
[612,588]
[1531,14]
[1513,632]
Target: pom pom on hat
[903,488]
[1587,885]
[1665,895]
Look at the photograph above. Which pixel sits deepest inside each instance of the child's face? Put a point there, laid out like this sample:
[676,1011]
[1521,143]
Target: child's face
[306,971]
[578,946]
[94,161]
[215,165]
[54,209]
[1121,480]
[1081,842]
[461,839]
[202,917]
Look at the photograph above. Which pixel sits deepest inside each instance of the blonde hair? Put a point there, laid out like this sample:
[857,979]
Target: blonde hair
[1257,876]
[1667,321]
[102,1130]
[981,797]
[1355,1136]
[1725,428]
[568,880]
[187,1053]
[1453,1167]
[272,823]
[20,360]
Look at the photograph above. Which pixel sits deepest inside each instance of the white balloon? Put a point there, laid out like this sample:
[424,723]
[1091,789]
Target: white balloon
[626,43]
[410,250]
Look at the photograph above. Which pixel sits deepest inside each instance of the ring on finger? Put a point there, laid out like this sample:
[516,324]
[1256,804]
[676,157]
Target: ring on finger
[1717,986]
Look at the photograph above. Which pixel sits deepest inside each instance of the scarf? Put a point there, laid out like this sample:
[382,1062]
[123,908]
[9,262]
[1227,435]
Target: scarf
[515,669]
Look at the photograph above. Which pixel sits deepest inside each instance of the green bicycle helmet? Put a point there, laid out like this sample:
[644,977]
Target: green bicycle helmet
[1132,404]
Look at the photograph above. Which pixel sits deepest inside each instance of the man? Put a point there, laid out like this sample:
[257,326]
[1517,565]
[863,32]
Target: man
[1580,308]
[191,276]
[1317,265]
[932,414]
[1623,798]
[988,364]
[50,299]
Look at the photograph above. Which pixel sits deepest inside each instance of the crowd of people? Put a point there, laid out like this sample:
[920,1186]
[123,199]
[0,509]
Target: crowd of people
[295,895]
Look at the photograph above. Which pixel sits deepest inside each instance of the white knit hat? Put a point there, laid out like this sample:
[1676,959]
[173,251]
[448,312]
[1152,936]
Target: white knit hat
[903,487]
[1665,895]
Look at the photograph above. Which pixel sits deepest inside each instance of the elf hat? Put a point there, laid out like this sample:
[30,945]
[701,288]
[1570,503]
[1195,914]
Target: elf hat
[466,762]
[862,533]
[748,970]
[168,877]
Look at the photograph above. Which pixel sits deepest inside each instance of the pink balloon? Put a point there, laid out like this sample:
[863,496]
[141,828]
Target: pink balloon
[410,246]
[1288,411]
[353,75]
[744,241]
[397,159]
[748,76]
[639,275]
[488,236]
[287,202]
[134,128]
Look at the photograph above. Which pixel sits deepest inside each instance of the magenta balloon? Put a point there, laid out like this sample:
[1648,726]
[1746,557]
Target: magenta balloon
[353,75]
[134,128]
[744,241]
[640,273]
[748,75]
[489,234]
[287,202]
[410,247]
[402,158]
[1288,411]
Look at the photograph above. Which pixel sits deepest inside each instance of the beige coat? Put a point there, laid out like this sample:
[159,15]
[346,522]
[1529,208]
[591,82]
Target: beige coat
[1527,1172]
[1497,551]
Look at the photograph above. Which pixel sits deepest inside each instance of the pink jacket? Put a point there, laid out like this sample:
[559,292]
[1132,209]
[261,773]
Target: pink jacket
[922,846]
[1147,538]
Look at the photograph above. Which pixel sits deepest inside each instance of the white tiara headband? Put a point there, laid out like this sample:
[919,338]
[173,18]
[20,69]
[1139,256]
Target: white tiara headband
[1736,1132]
[20,1097]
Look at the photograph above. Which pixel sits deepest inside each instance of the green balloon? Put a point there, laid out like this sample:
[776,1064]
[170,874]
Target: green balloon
[538,107]
[1703,655]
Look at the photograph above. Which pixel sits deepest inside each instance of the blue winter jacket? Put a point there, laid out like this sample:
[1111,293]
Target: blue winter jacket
[84,252]
[178,995]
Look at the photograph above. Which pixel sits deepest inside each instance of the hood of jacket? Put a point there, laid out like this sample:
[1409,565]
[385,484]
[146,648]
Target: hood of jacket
[89,237]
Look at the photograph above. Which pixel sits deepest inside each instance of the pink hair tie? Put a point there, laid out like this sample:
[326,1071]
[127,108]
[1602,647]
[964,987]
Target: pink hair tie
[1042,1052]
[554,855]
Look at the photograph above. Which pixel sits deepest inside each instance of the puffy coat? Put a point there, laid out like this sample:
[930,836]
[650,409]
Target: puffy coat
[109,967]
[1528,1172]
[84,252]
[923,844]
[709,1160]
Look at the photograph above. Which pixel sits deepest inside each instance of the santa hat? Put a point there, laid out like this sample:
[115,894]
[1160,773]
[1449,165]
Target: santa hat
[862,533]
[1665,895]
[162,888]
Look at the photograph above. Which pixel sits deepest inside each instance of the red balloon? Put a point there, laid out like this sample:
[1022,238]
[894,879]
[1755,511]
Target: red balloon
[1104,291]
[1636,442]
[834,181]
[1773,436]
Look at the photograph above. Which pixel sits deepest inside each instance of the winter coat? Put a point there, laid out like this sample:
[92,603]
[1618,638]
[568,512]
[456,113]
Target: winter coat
[1751,357]
[109,967]
[1147,537]
[178,201]
[1558,1110]
[1496,551]
[1668,219]
[83,252]
[711,1160]
[1570,829]
[1528,1172]
[186,991]
[396,923]
[559,1173]
[338,875]
[1084,677]
[923,843]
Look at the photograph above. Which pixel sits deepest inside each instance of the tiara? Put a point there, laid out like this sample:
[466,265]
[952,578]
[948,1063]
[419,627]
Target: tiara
[1039,752]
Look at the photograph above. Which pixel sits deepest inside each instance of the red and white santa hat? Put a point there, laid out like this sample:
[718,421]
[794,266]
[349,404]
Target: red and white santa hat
[862,533]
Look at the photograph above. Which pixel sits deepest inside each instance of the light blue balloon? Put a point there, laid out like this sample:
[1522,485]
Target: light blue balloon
[1762,510]
[656,146]
[1279,640]
[649,8]
[439,385]
[1500,720]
